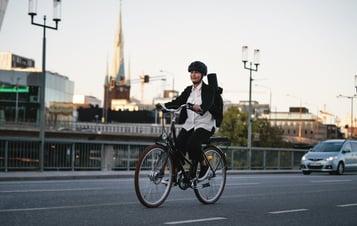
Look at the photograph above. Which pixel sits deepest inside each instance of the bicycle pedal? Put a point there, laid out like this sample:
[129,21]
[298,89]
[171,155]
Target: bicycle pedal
[194,183]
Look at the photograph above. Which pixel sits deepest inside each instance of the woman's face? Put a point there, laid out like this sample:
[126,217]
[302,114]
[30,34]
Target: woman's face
[196,77]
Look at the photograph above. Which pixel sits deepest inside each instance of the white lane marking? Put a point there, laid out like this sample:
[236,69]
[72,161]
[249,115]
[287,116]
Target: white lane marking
[329,181]
[66,207]
[288,211]
[196,220]
[347,205]
[235,184]
[52,190]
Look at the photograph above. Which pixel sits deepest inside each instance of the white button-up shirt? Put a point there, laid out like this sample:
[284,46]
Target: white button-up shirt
[195,120]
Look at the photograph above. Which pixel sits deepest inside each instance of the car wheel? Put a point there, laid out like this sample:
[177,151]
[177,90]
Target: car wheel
[306,172]
[340,168]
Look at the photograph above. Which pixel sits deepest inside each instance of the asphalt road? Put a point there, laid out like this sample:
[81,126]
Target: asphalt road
[273,199]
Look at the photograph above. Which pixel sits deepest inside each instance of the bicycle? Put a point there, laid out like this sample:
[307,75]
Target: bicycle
[155,174]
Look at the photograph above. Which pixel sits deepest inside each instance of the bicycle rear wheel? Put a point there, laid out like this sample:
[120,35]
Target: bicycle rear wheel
[210,190]
[153,176]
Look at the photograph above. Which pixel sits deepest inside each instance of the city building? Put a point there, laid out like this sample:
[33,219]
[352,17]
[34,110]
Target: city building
[20,90]
[299,126]
[117,85]
[83,100]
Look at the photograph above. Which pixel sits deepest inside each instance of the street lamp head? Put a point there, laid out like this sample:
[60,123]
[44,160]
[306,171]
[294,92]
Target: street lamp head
[57,10]
[356,82]
[256,57]
[244,54]
[32,8]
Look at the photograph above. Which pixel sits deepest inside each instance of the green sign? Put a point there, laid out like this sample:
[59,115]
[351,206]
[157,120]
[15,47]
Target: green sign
[13,89]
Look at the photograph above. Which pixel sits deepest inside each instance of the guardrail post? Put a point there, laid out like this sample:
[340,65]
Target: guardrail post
[6,155]
[107,157]
[292,160]
[73,158]
[232,159]
[128,158]
[279,166]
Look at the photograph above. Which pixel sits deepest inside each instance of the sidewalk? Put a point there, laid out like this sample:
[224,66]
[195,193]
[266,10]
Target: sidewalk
[66,175]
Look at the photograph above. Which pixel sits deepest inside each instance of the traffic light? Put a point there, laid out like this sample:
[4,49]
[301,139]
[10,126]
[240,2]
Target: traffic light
[146,78]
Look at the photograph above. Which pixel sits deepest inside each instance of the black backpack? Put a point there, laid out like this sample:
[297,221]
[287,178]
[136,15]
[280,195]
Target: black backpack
[217,108]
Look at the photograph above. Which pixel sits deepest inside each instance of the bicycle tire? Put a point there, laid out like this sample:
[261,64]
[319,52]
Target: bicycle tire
[153,176]
[210,190]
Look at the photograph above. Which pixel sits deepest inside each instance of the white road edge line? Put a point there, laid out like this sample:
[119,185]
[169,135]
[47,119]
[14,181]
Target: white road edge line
[288,211]
[53,190]
[329,181]
[196,220]
[347,205]
[238,184]
[66,207]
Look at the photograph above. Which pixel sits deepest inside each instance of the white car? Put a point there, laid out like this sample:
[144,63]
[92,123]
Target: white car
[332,156]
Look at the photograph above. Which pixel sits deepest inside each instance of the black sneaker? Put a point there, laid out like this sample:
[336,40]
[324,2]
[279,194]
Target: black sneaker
[203,172]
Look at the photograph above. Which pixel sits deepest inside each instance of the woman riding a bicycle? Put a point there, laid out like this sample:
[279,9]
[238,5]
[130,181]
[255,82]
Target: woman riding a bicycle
[161,165]
[198,122]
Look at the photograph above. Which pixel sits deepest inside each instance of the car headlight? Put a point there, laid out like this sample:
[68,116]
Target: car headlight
[331,158]
[303,158]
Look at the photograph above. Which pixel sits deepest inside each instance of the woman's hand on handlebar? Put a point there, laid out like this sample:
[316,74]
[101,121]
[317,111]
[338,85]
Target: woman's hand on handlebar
[158,106]
[161,107]
[195,107]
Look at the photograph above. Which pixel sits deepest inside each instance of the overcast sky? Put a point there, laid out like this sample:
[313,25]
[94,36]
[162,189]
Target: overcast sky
[308,47]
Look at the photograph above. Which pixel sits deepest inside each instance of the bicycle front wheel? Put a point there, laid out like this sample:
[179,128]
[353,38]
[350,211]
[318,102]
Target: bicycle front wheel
[210,190]
[153,176]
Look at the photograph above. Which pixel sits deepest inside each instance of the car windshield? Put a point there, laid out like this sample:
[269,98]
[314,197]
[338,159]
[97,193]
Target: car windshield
[327,147]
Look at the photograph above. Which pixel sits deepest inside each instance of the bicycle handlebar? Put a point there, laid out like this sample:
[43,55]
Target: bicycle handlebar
[165,109]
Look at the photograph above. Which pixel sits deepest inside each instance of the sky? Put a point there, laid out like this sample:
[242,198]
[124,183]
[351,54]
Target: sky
[308,48]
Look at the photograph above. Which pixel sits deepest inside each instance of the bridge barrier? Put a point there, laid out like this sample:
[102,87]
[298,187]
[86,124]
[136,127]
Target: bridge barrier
[66,154]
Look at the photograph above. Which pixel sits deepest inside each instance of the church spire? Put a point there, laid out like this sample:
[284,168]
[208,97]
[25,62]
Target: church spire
[107,76]
[118,71]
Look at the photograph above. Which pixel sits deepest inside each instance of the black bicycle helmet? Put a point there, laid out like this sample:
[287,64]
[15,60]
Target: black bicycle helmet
[198,66]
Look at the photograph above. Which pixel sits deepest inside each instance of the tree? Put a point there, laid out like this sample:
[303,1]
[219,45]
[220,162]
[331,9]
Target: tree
[235,127]
[267,135]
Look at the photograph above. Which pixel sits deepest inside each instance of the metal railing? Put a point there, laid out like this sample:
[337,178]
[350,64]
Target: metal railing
[64,154]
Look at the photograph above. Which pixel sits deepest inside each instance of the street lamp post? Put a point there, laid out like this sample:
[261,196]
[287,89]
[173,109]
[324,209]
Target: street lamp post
[56,18]
[250,68]
[350,97]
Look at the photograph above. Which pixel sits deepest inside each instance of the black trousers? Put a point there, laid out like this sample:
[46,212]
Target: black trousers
[191,142]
